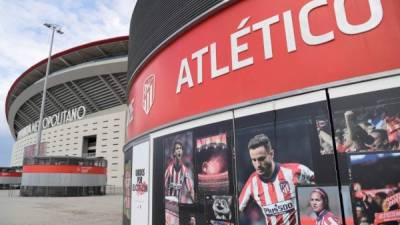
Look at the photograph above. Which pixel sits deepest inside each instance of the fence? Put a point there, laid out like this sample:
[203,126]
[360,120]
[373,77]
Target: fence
[114,190]
[14,191]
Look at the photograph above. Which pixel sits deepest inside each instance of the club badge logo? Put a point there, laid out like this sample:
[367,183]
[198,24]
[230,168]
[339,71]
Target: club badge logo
[149,87]
[130,111]
[285,188]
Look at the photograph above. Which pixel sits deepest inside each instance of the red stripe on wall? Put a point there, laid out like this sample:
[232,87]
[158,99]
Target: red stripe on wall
[10,174]
[64,169]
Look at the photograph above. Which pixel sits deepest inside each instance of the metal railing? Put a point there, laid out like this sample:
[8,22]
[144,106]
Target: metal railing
[114,190]
[13,190]
[63,191]
[89,155]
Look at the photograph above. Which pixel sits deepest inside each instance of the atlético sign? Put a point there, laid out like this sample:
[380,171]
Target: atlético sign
[265,48]
[261,29]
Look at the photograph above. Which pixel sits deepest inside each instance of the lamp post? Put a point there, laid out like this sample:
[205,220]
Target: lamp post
[54,28]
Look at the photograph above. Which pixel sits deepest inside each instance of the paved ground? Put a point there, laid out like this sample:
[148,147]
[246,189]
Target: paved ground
[98,210]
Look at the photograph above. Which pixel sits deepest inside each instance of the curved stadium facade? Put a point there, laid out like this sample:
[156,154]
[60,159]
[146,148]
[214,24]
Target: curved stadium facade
[85,111]
[311,88]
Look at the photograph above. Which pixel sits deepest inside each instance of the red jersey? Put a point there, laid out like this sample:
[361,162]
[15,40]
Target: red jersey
[276,196]
[178,182]
[327,218]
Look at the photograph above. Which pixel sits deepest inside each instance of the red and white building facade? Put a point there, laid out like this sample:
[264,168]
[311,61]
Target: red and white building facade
[319,78]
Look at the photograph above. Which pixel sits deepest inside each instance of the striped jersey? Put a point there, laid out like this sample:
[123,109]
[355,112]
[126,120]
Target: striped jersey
[276,196]
[327,218]
[178,182]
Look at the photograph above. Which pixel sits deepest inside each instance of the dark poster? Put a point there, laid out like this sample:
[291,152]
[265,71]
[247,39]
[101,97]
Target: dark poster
[212,163]
[127,185]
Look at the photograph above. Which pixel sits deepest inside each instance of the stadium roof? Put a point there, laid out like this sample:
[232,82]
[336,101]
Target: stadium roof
[93,75]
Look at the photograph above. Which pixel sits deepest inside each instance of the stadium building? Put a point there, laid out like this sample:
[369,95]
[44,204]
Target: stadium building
[85,112]
[246,112]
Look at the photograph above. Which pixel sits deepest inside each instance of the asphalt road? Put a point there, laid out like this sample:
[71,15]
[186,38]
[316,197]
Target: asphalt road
[94,210]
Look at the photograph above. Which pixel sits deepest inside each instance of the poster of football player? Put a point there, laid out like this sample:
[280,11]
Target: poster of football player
[219,208]
[276,151]
[271,186]
[375,187]
[178,168]
[212,162]
[319,205]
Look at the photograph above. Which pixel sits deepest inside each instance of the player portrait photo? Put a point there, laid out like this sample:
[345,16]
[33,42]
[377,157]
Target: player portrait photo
[178,175]
[319,205]
[271,185]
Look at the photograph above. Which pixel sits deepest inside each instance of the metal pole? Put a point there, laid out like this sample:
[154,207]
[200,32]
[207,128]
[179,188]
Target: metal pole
[53,27]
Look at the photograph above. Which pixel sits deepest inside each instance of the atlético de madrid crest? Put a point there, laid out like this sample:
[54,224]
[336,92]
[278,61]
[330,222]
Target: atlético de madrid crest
[149,87]
[285,188]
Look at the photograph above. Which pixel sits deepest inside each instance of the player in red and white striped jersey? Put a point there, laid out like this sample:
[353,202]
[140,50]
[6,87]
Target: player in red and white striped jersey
[178,178]
[327,218]
[319,203]
[272,185]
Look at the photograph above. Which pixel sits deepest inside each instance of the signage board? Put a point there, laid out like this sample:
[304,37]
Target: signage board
[265,48]
[140,184]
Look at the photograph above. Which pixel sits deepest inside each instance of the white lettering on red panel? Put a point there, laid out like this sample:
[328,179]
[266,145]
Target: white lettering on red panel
[185,76]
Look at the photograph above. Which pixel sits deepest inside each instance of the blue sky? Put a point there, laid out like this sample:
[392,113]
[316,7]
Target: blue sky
[24,40]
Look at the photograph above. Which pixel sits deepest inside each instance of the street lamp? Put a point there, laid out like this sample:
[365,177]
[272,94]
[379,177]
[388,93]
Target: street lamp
[54,28]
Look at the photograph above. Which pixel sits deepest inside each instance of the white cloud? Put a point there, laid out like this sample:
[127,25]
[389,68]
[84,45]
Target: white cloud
[24,35]
[5,84]
[24,40]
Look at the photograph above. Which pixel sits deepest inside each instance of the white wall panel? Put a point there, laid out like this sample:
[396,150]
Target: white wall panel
[67,140]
